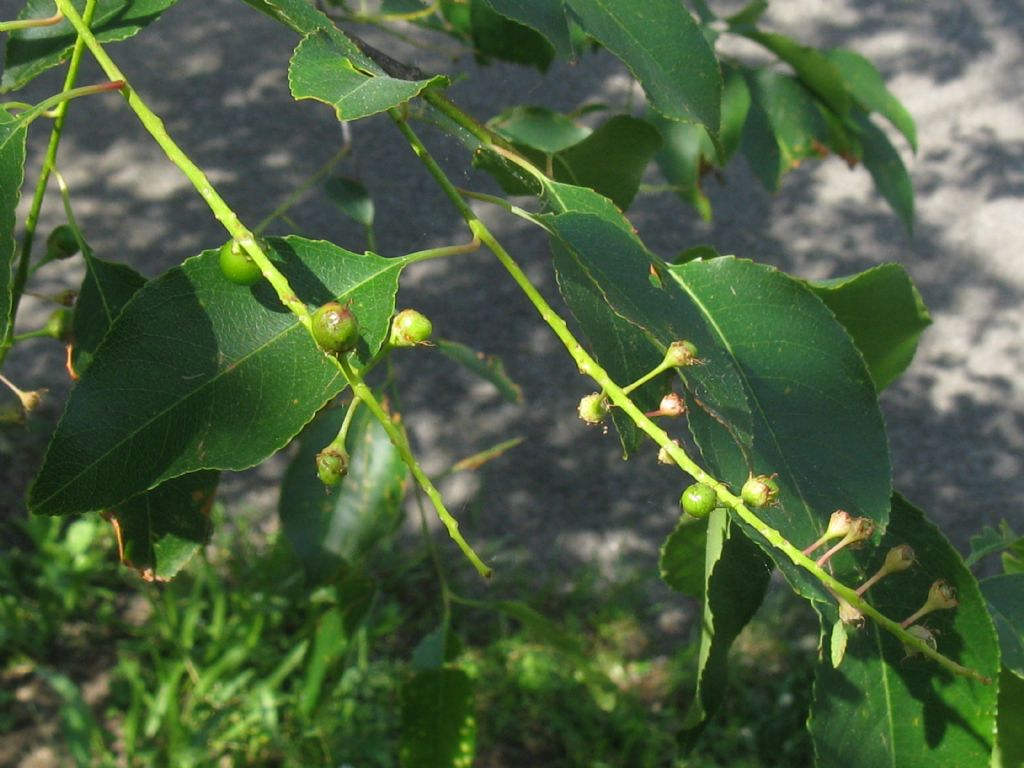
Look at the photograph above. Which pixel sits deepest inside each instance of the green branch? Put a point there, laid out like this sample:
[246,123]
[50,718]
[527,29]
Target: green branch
[32,220]
[590,367]
[226,216]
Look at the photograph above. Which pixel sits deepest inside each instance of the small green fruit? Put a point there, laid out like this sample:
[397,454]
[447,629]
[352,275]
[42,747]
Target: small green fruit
[58,324]
[593,408]
[410,328]
[335,328]
[698,500]
[331,466]
[62,243]
[681,353]
[237,266]
[760,490]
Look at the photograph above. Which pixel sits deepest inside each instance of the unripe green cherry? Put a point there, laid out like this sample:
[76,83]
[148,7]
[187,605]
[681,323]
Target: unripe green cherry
[62,243]
[335,328]
[698,500]
[331,465]
[409,328]
[593,408]
[236,265]
[681,353]
[58,324]
[760,490]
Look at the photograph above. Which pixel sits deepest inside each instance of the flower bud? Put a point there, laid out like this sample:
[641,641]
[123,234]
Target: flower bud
[899,558]
[58,325]
[941,597]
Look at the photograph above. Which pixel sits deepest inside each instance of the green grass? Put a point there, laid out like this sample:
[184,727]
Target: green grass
[240,662]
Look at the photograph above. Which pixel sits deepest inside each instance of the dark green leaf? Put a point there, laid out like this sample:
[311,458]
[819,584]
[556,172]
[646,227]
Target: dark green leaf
[328,528]
[799,127]
[814,69]
[686,154]
[539,128]
[1009,751]
[888,171]
[664,49]
[106,289]
[1005,596]
[12,174]
[736,577]
[544,16]
[991,540]
[868,89]
[438,728]
[883,312]
[748,14]
[621,347]
[31,52]
[735,107]
[781,388]
[437,648]
[882,708]
[352,198]
[487,367]
[611,160]
[759,145]
[160,530]
[681,563]
[565,198]
[200,373]
[322,69]
[496,36]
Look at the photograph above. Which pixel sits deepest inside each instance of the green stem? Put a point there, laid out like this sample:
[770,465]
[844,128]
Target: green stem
[32,220]
[11,26]
[247,240]
[220,208]
[346,423]
[590,367]
[364,393]
[659,369]
[443,251]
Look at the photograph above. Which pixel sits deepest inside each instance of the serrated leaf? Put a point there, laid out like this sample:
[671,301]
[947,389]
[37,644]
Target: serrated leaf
[544,16]
[781,388]
[883,313]
[13,132]
[888,171]
[681,560]
[322,69]
[539,128]
[868,89]
[106,289]
[487,367]
[1005,597]
[736,577]
[352,198]
[160,530]
[200,373]
[882,708]
[438,727]
[31,52]
[344,524]
[991,540]
[813,67]
[665,50]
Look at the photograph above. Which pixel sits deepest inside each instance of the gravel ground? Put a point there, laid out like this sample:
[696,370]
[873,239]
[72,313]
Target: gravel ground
[215,71]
